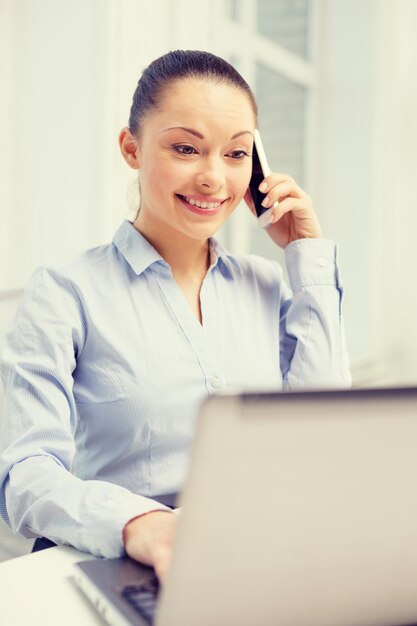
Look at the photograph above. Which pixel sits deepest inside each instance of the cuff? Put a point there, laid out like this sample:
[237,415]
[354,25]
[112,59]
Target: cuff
[312,262]
[133,507]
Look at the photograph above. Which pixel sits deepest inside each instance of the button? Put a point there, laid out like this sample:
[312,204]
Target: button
[216,382]
[322,261]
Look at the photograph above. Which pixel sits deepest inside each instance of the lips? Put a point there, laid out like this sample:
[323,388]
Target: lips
[201,207]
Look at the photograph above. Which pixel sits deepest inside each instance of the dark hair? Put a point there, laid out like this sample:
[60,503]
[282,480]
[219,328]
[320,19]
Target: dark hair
[179,65]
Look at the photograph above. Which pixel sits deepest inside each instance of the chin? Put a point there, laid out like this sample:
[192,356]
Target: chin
[203,234]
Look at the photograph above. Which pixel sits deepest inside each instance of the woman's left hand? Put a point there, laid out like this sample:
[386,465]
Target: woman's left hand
[293,216]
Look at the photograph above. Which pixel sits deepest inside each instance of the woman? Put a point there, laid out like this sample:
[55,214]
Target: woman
[112,354]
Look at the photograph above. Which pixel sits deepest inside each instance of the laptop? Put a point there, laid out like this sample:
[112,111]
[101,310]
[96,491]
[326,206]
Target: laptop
[299,509]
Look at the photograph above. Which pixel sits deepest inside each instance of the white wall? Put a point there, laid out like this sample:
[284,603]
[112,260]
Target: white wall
[347,60]
[55,198]
[367,193]
[394,189]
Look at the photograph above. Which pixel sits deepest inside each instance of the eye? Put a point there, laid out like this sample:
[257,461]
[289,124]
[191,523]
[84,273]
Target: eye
[184,148]
[238,155]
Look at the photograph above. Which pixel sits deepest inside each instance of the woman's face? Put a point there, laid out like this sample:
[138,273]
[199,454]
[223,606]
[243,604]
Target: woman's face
[194,158]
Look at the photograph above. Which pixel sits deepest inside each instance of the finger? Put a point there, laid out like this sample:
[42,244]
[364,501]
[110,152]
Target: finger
[274,179]
[282,191]
[161,566]
[160,572]
[289,205]
[288,188]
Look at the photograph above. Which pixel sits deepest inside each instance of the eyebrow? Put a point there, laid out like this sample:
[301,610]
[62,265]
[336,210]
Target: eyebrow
[200,136]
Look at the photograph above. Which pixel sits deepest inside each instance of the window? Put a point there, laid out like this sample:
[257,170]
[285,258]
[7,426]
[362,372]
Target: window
[270,43]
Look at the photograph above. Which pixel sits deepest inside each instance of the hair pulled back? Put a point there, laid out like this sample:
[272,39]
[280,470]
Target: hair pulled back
[178,65]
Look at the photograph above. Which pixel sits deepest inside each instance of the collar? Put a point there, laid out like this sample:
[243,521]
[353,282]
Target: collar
[136,250]
[140,254]
[219,253]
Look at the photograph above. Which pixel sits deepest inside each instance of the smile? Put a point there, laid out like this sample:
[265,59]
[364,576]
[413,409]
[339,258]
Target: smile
[201,204]
[201,207]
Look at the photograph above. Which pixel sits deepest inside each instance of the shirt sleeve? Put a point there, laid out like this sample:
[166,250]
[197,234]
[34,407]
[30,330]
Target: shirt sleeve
[39,496]
[313,350]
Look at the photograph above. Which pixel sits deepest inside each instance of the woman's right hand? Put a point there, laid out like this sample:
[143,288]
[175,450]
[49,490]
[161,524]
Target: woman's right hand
[149,539]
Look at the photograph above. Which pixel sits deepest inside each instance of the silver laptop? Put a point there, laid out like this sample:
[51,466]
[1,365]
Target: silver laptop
[299,509]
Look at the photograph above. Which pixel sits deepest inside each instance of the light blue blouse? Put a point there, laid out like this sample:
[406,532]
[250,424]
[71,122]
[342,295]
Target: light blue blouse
[106,367]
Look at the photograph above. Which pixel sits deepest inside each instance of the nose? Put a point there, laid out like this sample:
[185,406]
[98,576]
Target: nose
[211,175]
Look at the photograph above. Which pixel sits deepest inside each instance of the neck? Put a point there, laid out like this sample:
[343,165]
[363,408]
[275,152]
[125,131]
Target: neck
[186,256]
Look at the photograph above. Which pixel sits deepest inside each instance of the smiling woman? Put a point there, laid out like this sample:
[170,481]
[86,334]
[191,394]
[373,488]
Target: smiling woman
[193,157]
[113,353]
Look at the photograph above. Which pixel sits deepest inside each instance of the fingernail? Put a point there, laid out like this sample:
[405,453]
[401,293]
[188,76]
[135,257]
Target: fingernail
[276,203]
[265,202]
[263,186]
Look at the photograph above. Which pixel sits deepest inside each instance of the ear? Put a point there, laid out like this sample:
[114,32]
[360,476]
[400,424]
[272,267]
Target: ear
[129,148]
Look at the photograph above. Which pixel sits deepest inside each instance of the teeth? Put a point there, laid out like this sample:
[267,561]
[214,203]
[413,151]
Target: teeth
[202,205]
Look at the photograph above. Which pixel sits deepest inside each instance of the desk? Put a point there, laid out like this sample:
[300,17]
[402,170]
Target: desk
[36,590]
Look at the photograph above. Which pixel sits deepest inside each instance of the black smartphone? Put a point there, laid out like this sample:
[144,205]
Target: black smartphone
[260,170]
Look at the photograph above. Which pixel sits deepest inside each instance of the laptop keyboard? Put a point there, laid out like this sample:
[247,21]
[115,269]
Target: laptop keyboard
[143,597]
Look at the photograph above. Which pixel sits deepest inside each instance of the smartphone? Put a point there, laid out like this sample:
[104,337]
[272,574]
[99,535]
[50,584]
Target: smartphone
[260,170]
